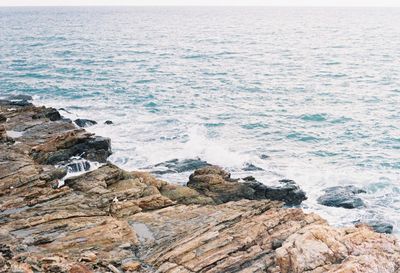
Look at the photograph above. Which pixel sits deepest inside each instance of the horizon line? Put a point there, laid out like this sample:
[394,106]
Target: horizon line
[174,5]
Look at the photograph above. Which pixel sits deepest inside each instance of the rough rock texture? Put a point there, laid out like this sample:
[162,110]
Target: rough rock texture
[217,184]
[111,220]
[345,197]
[320,248]
[84,122]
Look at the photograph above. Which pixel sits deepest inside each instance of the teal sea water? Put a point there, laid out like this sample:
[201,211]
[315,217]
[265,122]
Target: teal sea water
[308,94]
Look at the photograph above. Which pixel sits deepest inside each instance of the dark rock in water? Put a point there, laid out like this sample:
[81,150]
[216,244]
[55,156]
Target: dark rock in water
[288,191]
[377,226]
[3,118]
[249,167]
[342,196]
[74,143]
[84,122]
[216,183]
[108,122]
[249,178]
[180,166]
[50,113]
[381,227]
[264,156]
[21,103]
[20,97]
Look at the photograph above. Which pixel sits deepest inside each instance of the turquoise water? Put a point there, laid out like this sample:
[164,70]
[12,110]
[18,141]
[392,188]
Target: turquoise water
[309,94]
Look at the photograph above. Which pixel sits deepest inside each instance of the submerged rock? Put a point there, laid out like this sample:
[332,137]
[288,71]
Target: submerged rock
[342,196]
[249,167]
[84,122]
[180,166]
[216,183]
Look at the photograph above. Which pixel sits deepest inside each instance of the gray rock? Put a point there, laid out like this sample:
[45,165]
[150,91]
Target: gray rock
[50,113]
[84,122]
[216,183]
[342,196]
[288,191]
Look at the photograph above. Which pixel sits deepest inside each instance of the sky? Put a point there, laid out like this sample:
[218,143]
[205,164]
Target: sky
[372,3]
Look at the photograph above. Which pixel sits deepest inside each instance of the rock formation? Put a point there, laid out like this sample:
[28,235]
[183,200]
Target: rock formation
[111,220]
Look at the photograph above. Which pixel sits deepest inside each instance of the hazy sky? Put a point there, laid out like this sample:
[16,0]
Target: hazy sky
[386,3]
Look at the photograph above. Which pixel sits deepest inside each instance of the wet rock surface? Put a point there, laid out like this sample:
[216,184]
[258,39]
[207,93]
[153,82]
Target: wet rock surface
[84,122]
[111,220]
[180,166]
[342,196]
[217,184]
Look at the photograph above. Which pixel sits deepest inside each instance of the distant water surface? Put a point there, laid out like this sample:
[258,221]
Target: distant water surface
[309,94]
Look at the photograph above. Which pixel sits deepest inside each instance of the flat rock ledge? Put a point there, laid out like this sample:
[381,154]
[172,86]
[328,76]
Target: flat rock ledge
[111,220]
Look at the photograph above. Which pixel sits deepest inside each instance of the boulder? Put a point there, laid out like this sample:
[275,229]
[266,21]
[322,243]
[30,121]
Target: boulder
[84,122]
[108,122]
[287,191]
[217,184]
[342,196]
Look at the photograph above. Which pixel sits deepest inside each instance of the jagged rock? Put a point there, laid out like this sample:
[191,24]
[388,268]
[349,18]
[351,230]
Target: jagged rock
[73,143]
[108,122]
[84,122]
[288,191]
[216,183]
[320,248]
[342,196]
[50,113]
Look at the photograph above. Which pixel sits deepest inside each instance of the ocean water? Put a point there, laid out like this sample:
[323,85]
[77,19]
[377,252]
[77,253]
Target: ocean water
[309,94]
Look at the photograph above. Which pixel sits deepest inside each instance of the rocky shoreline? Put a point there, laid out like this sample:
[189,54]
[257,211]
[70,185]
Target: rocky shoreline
[111,220]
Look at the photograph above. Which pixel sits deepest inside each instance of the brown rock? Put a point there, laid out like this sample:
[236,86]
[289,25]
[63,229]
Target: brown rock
[131,266]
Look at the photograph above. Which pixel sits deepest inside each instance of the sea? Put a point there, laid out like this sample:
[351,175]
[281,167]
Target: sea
[309,94]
